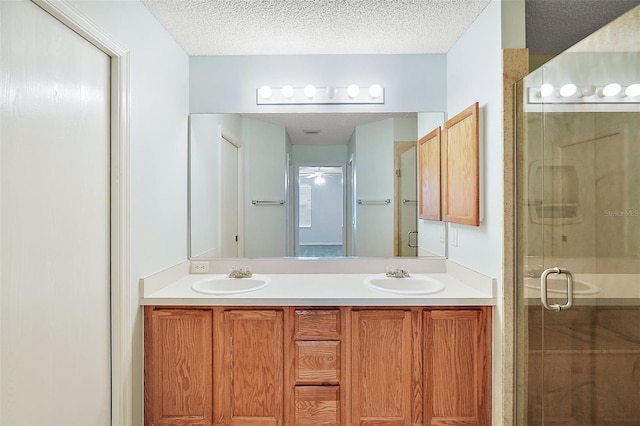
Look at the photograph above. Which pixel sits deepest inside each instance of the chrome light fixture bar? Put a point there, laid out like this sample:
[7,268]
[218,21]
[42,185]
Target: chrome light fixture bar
[569,93]
[311,95]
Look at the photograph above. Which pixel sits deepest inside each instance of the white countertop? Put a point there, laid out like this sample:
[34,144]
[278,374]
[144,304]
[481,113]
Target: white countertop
[461,288]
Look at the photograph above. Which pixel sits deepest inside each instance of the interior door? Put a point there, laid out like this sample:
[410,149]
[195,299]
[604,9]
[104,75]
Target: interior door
[55,223]
[228,200]
[579,244]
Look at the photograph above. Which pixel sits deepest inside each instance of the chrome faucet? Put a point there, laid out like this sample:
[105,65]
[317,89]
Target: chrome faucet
[244,272]
[401,272]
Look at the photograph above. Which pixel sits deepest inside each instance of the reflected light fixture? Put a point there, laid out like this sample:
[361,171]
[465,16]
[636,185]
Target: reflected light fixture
[632,90]
[319,180]
[570,93]
[265,92]
[375,91]
[612,89]
[309,91]
[287,91]
[568,90]
[312,95]
[546,90]
[353,90]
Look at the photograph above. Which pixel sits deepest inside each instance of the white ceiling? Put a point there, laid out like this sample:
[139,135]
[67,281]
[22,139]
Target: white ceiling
[291,27]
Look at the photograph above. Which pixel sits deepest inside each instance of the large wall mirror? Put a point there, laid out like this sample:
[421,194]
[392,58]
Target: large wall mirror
[310,185]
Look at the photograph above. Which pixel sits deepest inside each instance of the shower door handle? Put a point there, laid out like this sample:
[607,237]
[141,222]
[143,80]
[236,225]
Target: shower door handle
[409,239]
[543,289]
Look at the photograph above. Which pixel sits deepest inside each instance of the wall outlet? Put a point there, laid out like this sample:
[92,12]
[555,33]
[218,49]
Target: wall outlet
[199,267]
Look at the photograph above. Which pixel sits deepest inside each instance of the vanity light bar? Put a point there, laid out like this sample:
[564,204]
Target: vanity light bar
[571,94]
[311,95]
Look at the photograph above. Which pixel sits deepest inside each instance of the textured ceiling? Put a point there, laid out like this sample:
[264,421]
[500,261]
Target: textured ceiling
[290,27]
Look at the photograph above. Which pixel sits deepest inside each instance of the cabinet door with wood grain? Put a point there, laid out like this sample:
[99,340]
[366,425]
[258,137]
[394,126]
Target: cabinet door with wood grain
[253,372]
[381,355]
[457,367]
[178,367]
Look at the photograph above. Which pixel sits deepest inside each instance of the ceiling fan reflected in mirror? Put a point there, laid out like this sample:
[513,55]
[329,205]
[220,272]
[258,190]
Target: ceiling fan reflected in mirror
[319,175]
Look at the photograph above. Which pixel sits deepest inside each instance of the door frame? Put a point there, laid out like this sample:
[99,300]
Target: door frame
[122,334]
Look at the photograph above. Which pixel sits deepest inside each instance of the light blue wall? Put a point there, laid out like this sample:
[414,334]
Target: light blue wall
[228,83]
[159,73]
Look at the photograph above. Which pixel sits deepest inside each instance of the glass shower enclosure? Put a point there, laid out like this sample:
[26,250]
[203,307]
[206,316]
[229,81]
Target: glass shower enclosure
[578,233]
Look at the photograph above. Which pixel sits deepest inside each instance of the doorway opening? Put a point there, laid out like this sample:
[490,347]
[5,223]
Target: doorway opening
[319,211]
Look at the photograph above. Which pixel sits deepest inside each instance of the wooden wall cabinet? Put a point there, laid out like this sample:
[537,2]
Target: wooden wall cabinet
[430,175]
[462,167]
[318,366]
[449,168]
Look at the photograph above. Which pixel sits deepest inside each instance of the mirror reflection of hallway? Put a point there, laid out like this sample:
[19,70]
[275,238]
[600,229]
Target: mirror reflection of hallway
[320,211]
[406,199]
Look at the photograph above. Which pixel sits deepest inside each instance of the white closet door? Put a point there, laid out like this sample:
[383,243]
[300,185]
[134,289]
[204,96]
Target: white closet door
[55,236]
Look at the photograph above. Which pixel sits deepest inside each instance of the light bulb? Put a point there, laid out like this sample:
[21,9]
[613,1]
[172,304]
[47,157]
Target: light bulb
[633,90]
[375,91]
[353,90]
[611,90]
[568,90]
[265,92]
[546,90]
[309,91]
[287,91]
[588,90]
[319,180]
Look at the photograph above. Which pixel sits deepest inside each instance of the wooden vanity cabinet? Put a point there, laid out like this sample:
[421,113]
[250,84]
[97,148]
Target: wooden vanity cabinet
[317,366]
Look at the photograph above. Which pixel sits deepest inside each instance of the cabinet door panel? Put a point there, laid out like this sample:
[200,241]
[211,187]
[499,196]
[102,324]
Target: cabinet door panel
[178,367]
[457,368]
[317,406]
[254,367]
[317,362]
[381,367]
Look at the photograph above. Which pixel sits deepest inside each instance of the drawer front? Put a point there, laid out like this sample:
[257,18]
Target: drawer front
[317,362]
[318,324]
[317,405]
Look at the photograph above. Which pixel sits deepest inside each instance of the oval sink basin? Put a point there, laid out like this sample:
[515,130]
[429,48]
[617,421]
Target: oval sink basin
[414,284]
[222,284]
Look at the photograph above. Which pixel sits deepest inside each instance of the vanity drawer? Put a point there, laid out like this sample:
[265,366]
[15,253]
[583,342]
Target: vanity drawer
[315,324]
[317,362]
[317,405]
